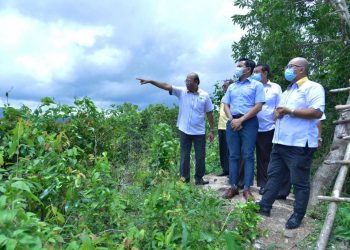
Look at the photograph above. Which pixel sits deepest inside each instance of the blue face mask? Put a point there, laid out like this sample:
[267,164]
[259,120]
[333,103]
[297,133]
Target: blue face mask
[239,72]
[289,74]
[256,76]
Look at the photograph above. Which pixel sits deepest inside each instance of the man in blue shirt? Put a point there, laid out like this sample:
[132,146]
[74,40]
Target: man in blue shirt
[194,104]
[295,139]
[242,101]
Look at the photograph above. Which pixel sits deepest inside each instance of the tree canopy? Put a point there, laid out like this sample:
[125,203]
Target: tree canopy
[278,30]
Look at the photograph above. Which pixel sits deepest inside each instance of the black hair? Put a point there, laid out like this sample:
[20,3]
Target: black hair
[196,78]
[248,63]
[264,67]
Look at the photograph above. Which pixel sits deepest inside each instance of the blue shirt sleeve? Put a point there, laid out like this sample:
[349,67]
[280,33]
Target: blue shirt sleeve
[227,99]
[260,93]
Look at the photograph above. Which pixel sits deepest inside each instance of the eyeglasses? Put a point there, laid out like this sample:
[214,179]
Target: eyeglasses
[188,81]
[289,66]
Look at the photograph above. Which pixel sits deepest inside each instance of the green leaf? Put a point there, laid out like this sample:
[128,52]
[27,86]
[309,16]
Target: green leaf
[11,244]
[21,185]
[1,158]
[184,235]
[3,240]
[231,243]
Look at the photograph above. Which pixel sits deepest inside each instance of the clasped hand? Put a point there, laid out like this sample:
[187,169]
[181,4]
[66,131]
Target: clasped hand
[236,124]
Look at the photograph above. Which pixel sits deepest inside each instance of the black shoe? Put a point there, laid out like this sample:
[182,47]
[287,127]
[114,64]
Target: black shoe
[201,182]
[294,221]
[263,211]
[281,197]
[223,174]
[262,191]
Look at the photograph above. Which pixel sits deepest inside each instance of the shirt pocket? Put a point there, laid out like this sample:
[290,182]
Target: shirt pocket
[200,105]
[297,100]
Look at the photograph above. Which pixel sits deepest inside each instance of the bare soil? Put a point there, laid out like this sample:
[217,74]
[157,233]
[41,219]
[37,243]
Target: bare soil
[277,236]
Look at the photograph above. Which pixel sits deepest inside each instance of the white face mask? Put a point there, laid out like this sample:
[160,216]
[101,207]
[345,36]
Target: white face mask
[239,71]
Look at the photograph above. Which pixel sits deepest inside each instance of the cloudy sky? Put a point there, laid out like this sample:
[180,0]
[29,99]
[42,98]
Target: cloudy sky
[65,49]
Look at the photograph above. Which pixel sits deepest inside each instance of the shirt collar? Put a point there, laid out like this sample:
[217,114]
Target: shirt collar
[299,82]
[302,80]
[195,93]
[269,83]
[245,81]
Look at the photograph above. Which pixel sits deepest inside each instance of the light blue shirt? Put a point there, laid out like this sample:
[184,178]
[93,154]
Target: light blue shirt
[296,131]
[242,96]
[192,110]
[266,119]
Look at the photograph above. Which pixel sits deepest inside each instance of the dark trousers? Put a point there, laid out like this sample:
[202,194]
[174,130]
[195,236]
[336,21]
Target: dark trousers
[295,161]
[263,151]
[199,150]
[223,149]
[243,140]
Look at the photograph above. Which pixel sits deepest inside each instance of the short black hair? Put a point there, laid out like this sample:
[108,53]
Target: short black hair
[264,67]
[248,63]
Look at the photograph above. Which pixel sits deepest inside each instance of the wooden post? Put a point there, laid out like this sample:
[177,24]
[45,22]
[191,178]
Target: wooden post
[332,208]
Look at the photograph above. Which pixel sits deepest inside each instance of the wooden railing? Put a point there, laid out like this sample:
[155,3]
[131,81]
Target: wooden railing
[338,186]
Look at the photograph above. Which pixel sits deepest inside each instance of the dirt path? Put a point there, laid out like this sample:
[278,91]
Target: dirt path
[277,236]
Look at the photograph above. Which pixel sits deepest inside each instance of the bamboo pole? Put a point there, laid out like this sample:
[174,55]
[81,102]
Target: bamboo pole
[337,162]
[334,199]
[339,90]
[341,121]
[332,208]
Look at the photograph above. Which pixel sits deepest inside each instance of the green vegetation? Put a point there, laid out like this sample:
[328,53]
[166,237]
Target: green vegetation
[75,177]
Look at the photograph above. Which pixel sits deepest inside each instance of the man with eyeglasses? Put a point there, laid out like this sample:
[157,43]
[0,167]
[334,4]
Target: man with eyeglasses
[242,101]
[194,104]
[266,120]
[295,139]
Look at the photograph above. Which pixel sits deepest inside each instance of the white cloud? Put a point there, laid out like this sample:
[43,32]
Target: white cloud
[65,50]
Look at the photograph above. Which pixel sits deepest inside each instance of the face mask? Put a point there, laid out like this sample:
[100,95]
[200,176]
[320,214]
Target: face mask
[257,76]
[289,74]
[239,72]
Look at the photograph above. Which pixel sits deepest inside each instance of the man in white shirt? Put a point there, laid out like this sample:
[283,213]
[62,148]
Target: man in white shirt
[194,104]
[295,139]
[266,120]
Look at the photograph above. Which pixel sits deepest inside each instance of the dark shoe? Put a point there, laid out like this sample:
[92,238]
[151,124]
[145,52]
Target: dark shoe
[281,197]
[223,174]
[262,191]
[230,193]
[263,211]
[248,195]
[201,182]
[294,221]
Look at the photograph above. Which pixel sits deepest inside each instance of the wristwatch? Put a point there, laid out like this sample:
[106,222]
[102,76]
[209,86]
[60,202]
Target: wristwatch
[320,139]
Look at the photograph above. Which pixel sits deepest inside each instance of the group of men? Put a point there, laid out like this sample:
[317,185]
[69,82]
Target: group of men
[281,126]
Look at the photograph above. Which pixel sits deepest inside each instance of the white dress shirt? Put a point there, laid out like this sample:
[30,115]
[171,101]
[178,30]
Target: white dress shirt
[192,110]
[295,131]
[273,93]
